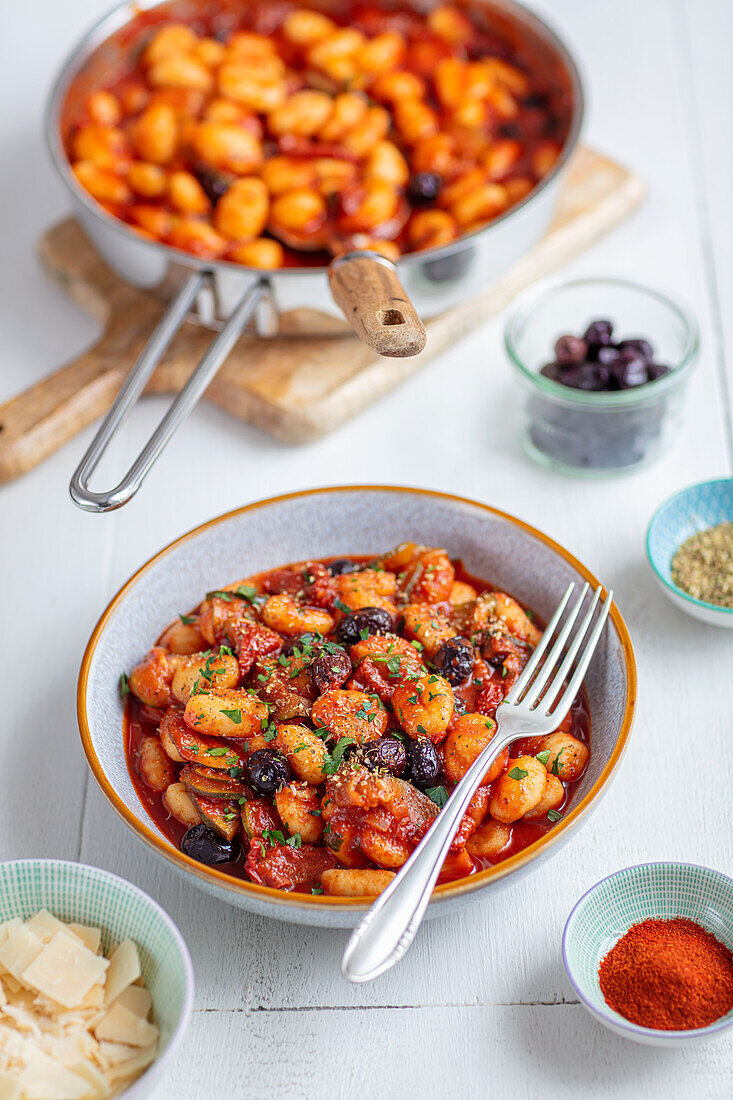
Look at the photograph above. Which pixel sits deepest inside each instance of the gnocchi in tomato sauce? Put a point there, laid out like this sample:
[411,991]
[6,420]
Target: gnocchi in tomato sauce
[270,133]
[302,728]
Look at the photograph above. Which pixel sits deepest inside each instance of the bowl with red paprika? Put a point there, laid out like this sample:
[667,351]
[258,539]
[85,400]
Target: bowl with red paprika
[649,951]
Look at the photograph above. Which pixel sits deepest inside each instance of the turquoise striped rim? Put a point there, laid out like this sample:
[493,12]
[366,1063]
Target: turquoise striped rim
[89,895]
[606,912]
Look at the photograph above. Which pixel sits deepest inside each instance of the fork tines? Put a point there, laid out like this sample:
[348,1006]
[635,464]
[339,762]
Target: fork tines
[537,689]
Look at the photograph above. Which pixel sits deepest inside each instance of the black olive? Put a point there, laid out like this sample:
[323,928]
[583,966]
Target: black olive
[202,843]
[639,346]
[570,349]
[373,620]
[629,370]
[340,566]
[267,771]
[424,188]
[552,371]
[388,753]
[214,183]
[303,642]
[586,376]
[423,763]
[454,660]
[536,101]
[330,669]
[607,355]
[598,334]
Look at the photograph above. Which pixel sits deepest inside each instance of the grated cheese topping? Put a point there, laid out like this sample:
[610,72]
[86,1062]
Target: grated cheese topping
[74,1025]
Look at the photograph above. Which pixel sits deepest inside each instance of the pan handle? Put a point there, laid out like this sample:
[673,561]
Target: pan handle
[367,290]
[136,380]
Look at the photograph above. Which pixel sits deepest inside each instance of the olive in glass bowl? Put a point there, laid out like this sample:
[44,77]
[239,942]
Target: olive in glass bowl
[603,364]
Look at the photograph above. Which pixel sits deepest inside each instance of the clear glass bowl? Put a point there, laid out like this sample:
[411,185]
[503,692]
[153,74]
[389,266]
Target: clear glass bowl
[594,434]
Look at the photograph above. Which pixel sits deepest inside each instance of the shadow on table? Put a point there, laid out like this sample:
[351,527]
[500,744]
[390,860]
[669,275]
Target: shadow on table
[577,1051]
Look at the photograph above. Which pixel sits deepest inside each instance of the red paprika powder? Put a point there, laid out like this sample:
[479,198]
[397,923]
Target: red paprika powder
[671,975]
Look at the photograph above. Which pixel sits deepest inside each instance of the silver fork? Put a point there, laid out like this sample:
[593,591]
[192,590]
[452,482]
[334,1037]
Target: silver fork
[535,705]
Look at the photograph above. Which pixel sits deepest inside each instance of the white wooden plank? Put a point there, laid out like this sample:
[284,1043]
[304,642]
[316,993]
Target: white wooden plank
[52,563]
[524,1053]
[706,55]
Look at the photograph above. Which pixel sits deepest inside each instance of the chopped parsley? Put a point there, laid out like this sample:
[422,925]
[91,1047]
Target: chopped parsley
[341,606]
[317,889]
[518,773]
[438,795]
[554,815]
[273,837]
[124,685]
[187,619]
[543,757]
[241,592]
[233,715]
[554,770]
[332,761]
[294,841]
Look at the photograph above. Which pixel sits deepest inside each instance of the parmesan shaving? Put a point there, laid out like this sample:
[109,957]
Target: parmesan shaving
[137,999]
[19,950]
[65,970]
[73,1024]
[9,1087]
[124,969]
[45,925]
[92,937]
[123,1026]
[45,1079]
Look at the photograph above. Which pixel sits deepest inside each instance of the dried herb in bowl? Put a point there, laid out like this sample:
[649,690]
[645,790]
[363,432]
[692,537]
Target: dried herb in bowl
[703,565]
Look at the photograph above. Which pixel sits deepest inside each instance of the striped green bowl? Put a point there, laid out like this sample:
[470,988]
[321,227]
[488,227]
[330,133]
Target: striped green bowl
[77,892]
[608,910]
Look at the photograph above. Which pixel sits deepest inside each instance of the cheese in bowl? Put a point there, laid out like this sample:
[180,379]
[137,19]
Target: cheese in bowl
[74,1023]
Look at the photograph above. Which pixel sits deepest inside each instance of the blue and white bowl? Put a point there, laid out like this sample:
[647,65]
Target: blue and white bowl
[660,891]
[89,895]
[688,511]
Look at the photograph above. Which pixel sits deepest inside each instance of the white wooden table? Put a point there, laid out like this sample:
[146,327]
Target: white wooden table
[481,1005]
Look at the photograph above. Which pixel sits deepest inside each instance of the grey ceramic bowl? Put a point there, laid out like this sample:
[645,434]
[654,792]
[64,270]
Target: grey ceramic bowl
[338,521]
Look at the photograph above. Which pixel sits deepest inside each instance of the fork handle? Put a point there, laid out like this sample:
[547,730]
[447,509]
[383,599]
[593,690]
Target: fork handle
[388,929]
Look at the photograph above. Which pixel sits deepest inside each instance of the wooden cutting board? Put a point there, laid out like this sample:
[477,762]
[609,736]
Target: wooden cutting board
[295,388]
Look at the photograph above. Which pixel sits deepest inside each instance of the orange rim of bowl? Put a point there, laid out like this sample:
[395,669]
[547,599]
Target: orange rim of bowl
[445,891]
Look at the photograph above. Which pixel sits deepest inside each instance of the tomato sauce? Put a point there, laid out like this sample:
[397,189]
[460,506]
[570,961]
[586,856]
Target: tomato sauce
[141,721]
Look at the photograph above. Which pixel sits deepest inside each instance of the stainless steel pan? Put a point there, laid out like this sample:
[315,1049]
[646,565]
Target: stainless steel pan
[382,301]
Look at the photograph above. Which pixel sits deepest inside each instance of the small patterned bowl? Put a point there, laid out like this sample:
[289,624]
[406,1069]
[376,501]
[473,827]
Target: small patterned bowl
[608,910]
[77,892]
[688,511]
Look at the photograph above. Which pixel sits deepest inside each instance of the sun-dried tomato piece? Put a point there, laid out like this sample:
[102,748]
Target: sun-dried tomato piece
[284,867]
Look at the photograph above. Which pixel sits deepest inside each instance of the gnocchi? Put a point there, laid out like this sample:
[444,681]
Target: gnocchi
[284,132]
[317,735]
